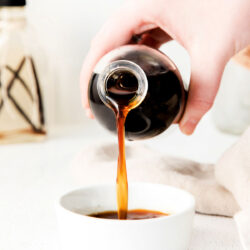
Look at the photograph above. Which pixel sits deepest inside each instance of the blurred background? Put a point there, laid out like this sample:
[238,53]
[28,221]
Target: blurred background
[64,30]
[33,175]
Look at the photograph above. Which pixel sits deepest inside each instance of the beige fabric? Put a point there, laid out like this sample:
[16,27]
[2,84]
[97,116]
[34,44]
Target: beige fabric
[97,164]
[233,172]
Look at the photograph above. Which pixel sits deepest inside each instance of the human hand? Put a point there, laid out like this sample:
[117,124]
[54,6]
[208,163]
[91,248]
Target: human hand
[212,31]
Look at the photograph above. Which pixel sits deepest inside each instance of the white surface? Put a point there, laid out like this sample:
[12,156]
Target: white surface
[79,231]
[32,176]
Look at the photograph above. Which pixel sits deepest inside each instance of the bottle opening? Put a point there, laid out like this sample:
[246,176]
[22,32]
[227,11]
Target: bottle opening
[122,84]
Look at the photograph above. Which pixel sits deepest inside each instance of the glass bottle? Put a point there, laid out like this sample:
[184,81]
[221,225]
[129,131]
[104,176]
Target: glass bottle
[155,82]
[21,107]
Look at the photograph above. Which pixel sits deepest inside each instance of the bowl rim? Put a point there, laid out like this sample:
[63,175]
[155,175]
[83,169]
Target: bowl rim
[189,207]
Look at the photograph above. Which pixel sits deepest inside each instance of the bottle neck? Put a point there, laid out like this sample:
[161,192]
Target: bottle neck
[120,88]
[12,17]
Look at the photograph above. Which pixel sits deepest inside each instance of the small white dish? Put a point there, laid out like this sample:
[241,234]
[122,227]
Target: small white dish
[81,232]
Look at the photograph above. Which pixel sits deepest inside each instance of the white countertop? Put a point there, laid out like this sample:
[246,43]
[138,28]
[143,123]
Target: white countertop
[33,175]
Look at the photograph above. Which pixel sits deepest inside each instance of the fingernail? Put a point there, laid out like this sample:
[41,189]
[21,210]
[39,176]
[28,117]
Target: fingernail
[189,126]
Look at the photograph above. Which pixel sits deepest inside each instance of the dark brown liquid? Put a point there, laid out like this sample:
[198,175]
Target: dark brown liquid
[121,88]
[163,104]
[154,115]
[137,214]
[121,181]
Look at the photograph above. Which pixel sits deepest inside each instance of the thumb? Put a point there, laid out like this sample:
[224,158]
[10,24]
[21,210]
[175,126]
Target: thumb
[205,79]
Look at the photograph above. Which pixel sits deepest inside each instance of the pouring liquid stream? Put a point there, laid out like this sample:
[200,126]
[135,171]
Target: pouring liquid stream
[121,88]
[121,180]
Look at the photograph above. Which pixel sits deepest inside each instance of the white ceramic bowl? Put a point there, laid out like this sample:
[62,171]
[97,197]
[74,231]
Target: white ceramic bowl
[81,232]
